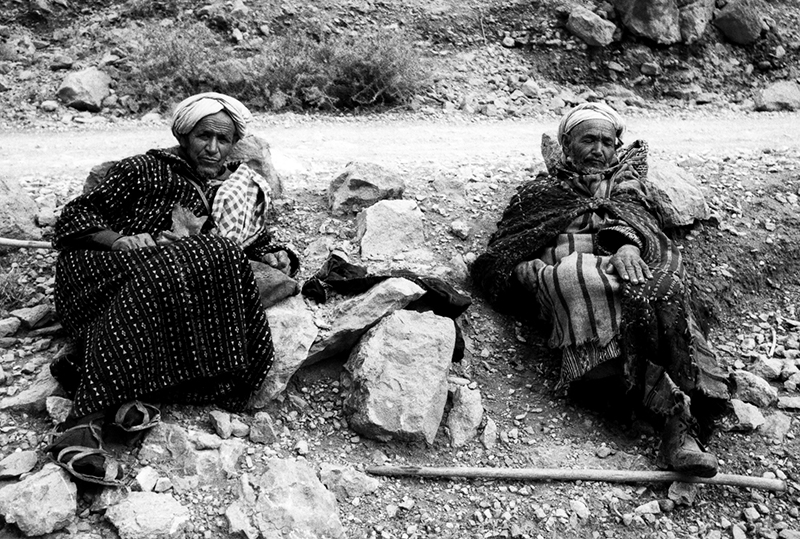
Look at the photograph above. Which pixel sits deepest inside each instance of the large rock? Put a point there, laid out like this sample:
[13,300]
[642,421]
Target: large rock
[465,416]
[17,211]
[18,463]
[677,193]
[694,18]
[390,228]
[397,377]
[97,175]
[658,20]
[168,445]
[754,389]
[361,185]
[291,503]
[590,27]
[740,21]
[783,95]
[346,482]
[748,416]
[41,503]
[777,426]
[34,317]
[34,398]
[254,151]
[85,90]
[148,515]
[293,332]
[353,317]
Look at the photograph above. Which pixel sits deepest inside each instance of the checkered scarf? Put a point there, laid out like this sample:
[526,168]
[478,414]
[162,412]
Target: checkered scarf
[241,205]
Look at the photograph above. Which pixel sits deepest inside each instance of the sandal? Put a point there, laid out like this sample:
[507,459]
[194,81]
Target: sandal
[135,416]
[94,432]
[70,459]
[85,462]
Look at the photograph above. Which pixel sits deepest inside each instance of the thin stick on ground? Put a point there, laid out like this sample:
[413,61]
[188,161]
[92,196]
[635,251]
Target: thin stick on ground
[27,244]
[558,474]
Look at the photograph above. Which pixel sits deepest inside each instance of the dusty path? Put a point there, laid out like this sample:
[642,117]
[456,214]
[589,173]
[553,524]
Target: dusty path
[320,145]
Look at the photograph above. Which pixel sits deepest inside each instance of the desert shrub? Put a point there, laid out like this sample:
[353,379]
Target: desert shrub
[335,73]
[147,9]
[172,63]
[14,288]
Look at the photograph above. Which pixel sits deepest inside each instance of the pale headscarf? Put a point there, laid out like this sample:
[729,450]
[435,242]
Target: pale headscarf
[591,111]
[193,109]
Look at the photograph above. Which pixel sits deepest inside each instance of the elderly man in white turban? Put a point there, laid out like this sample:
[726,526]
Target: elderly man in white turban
[581,248]
[160,301]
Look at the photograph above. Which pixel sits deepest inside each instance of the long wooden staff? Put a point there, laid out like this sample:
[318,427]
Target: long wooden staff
[28,244]
[560,474]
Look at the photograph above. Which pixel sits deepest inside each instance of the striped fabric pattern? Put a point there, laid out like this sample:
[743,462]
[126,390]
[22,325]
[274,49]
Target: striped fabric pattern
[175,323]
[551,246]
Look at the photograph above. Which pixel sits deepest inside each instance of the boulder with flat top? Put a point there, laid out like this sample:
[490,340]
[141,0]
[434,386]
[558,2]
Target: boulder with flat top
[17,211]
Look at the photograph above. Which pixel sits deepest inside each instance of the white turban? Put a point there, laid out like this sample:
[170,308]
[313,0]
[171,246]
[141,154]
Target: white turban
[193,109]
[591,111]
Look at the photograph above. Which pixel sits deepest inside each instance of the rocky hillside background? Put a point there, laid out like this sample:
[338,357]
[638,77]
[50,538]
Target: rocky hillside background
[497,58]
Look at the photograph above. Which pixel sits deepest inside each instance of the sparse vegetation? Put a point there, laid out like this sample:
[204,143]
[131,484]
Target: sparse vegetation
[376,69]
[14,289]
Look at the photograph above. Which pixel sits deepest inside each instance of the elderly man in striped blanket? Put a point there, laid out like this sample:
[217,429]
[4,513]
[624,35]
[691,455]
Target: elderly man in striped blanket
[582,247]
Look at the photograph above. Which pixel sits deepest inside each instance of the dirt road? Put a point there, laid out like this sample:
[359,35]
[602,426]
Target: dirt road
[303,146]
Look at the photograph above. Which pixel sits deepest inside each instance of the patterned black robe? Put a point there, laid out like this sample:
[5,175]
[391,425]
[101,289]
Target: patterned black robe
[175,323]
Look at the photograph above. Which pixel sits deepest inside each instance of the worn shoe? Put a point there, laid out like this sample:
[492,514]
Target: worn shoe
[681,451]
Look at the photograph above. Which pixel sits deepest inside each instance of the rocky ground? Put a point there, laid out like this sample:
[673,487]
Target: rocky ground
[744,260]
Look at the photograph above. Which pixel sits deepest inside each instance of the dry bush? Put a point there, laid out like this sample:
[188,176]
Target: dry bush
[379,69]
[14,290]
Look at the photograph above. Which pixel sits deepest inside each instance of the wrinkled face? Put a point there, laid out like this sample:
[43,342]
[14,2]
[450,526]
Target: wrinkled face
[591,146]
[207,145]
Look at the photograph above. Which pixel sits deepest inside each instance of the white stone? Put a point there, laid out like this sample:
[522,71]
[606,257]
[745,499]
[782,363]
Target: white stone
[148,515]
[293,332]
[353,317]
[390,228]
[397,377]
[41,503]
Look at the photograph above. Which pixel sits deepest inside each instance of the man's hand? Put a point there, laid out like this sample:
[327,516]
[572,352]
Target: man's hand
[626,173]
[627,263]
[129,243]
[278,260]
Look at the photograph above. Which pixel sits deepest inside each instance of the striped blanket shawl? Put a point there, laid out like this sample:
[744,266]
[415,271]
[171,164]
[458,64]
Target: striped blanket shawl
[657,324]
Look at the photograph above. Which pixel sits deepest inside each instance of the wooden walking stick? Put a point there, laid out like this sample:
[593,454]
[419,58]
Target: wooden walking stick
[561,474]
[27,244]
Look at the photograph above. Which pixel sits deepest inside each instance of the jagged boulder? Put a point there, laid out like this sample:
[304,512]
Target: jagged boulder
[390,228]
[85,90]
[361,185]
[740,22]
[783,95]
[149,515]
[677,194]
[287,501]
[658,20]
[694,17]
[590,27]
[17,211]
[41,503]
[666,21]
[397,377]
